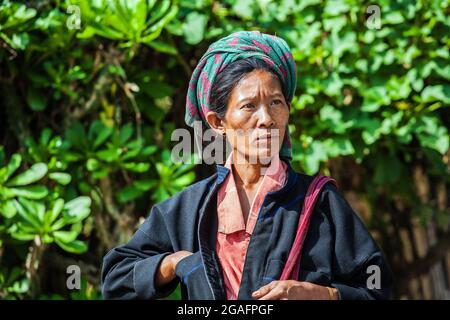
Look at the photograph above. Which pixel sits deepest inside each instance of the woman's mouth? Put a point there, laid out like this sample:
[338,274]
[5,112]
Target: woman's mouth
[265,139]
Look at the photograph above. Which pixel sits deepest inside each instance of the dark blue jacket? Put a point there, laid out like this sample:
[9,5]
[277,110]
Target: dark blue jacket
[337,251]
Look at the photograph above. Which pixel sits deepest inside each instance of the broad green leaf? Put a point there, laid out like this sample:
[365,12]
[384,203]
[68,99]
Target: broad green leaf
[77,209]
[99,133]
[77,203]
[145,185]
[13,165]
[20,40]
[76,135]
[92,164]
[56,210]
[7,209]
[23,236]
[35,173]
[65,236]
[31,211]
[125,133]
[184,180]
[194,27]
[76,246]
[30,192]
[129,193]
[60,177]
[436,93]
[109,155]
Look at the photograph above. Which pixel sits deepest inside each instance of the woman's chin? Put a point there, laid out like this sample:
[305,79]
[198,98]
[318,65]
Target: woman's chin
[262,156]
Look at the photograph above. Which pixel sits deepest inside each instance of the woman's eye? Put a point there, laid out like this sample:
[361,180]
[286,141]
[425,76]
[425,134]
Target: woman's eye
[276,101]
[247,106]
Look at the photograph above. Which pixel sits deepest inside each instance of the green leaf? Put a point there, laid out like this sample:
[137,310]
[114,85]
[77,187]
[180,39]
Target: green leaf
[77,209]
[184,180]
[145,185]
[45,136]
[194,27]
[56,210]
[244,8]
[20,40]
[31,211]
[129,193]
[436,93]
[136,167]
[13,165]
[35,173]
[374,98]
[23,236]
[125,133]
[60,177]
[147,151]
[431,134]
[6,193]
[76,135]
[31,192]
[99,133]
[338,146]
[76,246]
[47,239]
[109,155]
[92,164]
[312,156]
[7,209]
[393,17]
[77,203]
[65,236]
[163,47]
[36,100]
[158,90]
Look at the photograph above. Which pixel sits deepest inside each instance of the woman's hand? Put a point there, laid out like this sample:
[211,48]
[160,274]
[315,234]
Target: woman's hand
[295,290]
[166,270]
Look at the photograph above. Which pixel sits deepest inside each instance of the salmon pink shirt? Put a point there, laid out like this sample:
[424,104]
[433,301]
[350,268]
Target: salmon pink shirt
[234,234]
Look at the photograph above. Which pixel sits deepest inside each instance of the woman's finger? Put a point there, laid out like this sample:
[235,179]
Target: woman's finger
[275,294]
[264,290]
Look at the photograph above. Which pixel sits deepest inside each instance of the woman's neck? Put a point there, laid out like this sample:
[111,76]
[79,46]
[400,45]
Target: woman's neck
[246,174]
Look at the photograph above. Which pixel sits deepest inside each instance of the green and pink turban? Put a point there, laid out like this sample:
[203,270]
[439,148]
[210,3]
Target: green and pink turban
[240,45]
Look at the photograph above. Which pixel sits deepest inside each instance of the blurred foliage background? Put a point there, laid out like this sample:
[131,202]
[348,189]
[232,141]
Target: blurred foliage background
[91,91]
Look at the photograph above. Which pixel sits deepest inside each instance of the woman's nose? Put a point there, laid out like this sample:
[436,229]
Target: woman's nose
[265,119]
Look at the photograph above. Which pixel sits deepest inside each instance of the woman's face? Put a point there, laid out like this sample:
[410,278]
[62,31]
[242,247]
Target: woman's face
[256,108]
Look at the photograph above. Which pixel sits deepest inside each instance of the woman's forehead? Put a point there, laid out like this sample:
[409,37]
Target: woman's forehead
[255,81]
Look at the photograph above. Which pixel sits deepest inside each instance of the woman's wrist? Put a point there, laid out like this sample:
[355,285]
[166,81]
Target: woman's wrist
[166,270]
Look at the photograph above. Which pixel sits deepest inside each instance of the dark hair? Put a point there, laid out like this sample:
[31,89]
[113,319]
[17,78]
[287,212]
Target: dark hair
[229,77]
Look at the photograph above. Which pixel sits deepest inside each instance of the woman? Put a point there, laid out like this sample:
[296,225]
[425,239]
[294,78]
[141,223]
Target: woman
[228,236]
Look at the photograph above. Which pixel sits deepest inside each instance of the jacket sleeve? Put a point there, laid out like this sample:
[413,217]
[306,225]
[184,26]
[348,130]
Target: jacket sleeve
[129,270]
[360,270]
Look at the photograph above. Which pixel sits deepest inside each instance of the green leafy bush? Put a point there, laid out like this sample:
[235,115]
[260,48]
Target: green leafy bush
[93,89]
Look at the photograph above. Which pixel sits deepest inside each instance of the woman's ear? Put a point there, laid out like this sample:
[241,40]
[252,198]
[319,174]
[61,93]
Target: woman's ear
[215,122]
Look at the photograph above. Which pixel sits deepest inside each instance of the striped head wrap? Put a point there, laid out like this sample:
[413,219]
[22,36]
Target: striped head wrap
[240,45]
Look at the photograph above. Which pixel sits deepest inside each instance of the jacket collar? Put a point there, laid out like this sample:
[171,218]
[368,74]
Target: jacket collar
[222,173]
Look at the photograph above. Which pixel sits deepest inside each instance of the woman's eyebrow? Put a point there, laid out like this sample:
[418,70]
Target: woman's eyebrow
[248,98]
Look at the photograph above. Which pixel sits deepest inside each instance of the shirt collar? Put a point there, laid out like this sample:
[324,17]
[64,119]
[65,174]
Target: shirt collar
[229,208]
